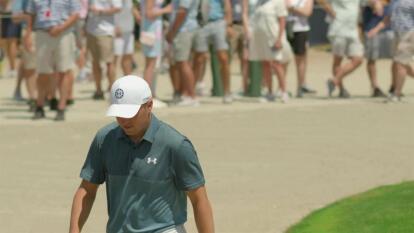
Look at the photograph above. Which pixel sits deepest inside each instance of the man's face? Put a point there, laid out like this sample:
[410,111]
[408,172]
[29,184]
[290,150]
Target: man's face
[135,127]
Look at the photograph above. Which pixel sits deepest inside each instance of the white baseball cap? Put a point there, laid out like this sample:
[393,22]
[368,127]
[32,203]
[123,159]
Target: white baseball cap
[127,95]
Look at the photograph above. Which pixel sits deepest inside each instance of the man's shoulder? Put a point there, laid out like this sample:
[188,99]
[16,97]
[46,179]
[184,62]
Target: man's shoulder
[169,134]
[109,129]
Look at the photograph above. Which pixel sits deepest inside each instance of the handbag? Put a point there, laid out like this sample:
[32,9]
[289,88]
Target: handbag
[147,38]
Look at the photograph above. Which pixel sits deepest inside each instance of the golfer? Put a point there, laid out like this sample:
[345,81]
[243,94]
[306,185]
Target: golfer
[148,167]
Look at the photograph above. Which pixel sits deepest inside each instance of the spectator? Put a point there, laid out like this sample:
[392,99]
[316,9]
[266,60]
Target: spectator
[297,31]
[53,22]
[100,28]
[344,36]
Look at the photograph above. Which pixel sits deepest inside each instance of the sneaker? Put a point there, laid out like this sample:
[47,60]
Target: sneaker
[98,96]
[32,105]
[53,104]
[344,94]
[300,93]
[60,115]
[227,99]
[378,93]
[159,104]
[307,90]
[39,113]
[187,101]
[331,87]
[270,97]
[393,99]
[285,97]
[18,96]
[12,74]
[201,89]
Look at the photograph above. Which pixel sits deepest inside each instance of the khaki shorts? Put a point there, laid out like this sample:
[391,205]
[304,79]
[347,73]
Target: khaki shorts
[237,40]
[101,48]
[346,47]
[29,58]
[404,51]
[212,33]
[54,54]
[182,45]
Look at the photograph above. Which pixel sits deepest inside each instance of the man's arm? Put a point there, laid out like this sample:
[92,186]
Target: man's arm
[109,11]
[82,205]
[203,212]
[152,13]
[56,30]
[380,26]
[327,7]
[179,20]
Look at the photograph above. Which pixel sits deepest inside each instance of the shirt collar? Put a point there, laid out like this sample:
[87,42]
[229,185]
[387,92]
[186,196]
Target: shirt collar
[149,134]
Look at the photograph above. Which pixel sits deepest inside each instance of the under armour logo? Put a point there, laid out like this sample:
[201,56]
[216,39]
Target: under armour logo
[152,160]
[119,93]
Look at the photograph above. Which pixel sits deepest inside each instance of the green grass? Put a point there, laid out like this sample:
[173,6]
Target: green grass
[387,209]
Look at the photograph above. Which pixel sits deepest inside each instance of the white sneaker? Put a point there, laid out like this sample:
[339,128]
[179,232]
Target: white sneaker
[284,97]
[159,104]
[12,74]
[228,99]
[187,101]
[201,89]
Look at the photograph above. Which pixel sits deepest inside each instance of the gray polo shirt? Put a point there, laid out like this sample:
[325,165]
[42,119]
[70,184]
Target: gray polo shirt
[145,182]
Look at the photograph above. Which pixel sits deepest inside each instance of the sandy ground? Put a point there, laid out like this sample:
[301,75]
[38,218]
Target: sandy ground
[267,164]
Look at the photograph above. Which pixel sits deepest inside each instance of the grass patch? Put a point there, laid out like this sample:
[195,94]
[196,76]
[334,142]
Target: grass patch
[387,209]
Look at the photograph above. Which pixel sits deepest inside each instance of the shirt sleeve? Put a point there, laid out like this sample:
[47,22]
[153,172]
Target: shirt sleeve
[30,7]
[187,168]
[75,7]
[117,3]
[93,168]
[185,4]
[281,9]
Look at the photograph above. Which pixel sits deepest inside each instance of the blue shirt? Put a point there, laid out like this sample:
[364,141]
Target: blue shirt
[146,182]
[402,15]
[50,13]
[19,6]
[190,23]
[216,10]
[370,20]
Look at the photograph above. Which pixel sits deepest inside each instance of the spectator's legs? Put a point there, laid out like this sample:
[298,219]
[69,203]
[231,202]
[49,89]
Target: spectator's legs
[97,74]
[244,67]
[200,59]
[150,63]
[342,71]
[18,90]
[223,58]
[372,72]
[12,54]
[301,63]
[43,86]
[64,84]
[187,78]
[110,70]
[30,76]
[280,70]
[399,81]
[175,80]
[71,79]
[126,64]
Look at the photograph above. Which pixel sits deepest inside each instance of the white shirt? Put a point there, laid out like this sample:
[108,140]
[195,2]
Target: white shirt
[124,19]
[300,23]
[102,25]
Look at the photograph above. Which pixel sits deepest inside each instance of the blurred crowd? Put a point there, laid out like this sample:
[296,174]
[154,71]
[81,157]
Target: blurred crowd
[60,41]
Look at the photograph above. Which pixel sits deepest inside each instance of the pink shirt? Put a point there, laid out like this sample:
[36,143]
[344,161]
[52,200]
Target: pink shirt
[84,9]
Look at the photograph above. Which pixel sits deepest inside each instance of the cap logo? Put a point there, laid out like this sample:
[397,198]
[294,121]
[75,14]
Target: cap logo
[119,93]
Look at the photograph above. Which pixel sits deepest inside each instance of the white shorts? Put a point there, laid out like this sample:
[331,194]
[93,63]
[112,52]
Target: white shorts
[124,45]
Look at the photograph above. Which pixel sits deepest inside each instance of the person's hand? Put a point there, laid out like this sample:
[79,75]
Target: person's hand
[332,14]
[169,37]
[56,31]
[278,44]
[28,43]
[168,9]
[118,32]
[371,33]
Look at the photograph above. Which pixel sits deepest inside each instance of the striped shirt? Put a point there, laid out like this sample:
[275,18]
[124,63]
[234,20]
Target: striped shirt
[50,13]
[402,15]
